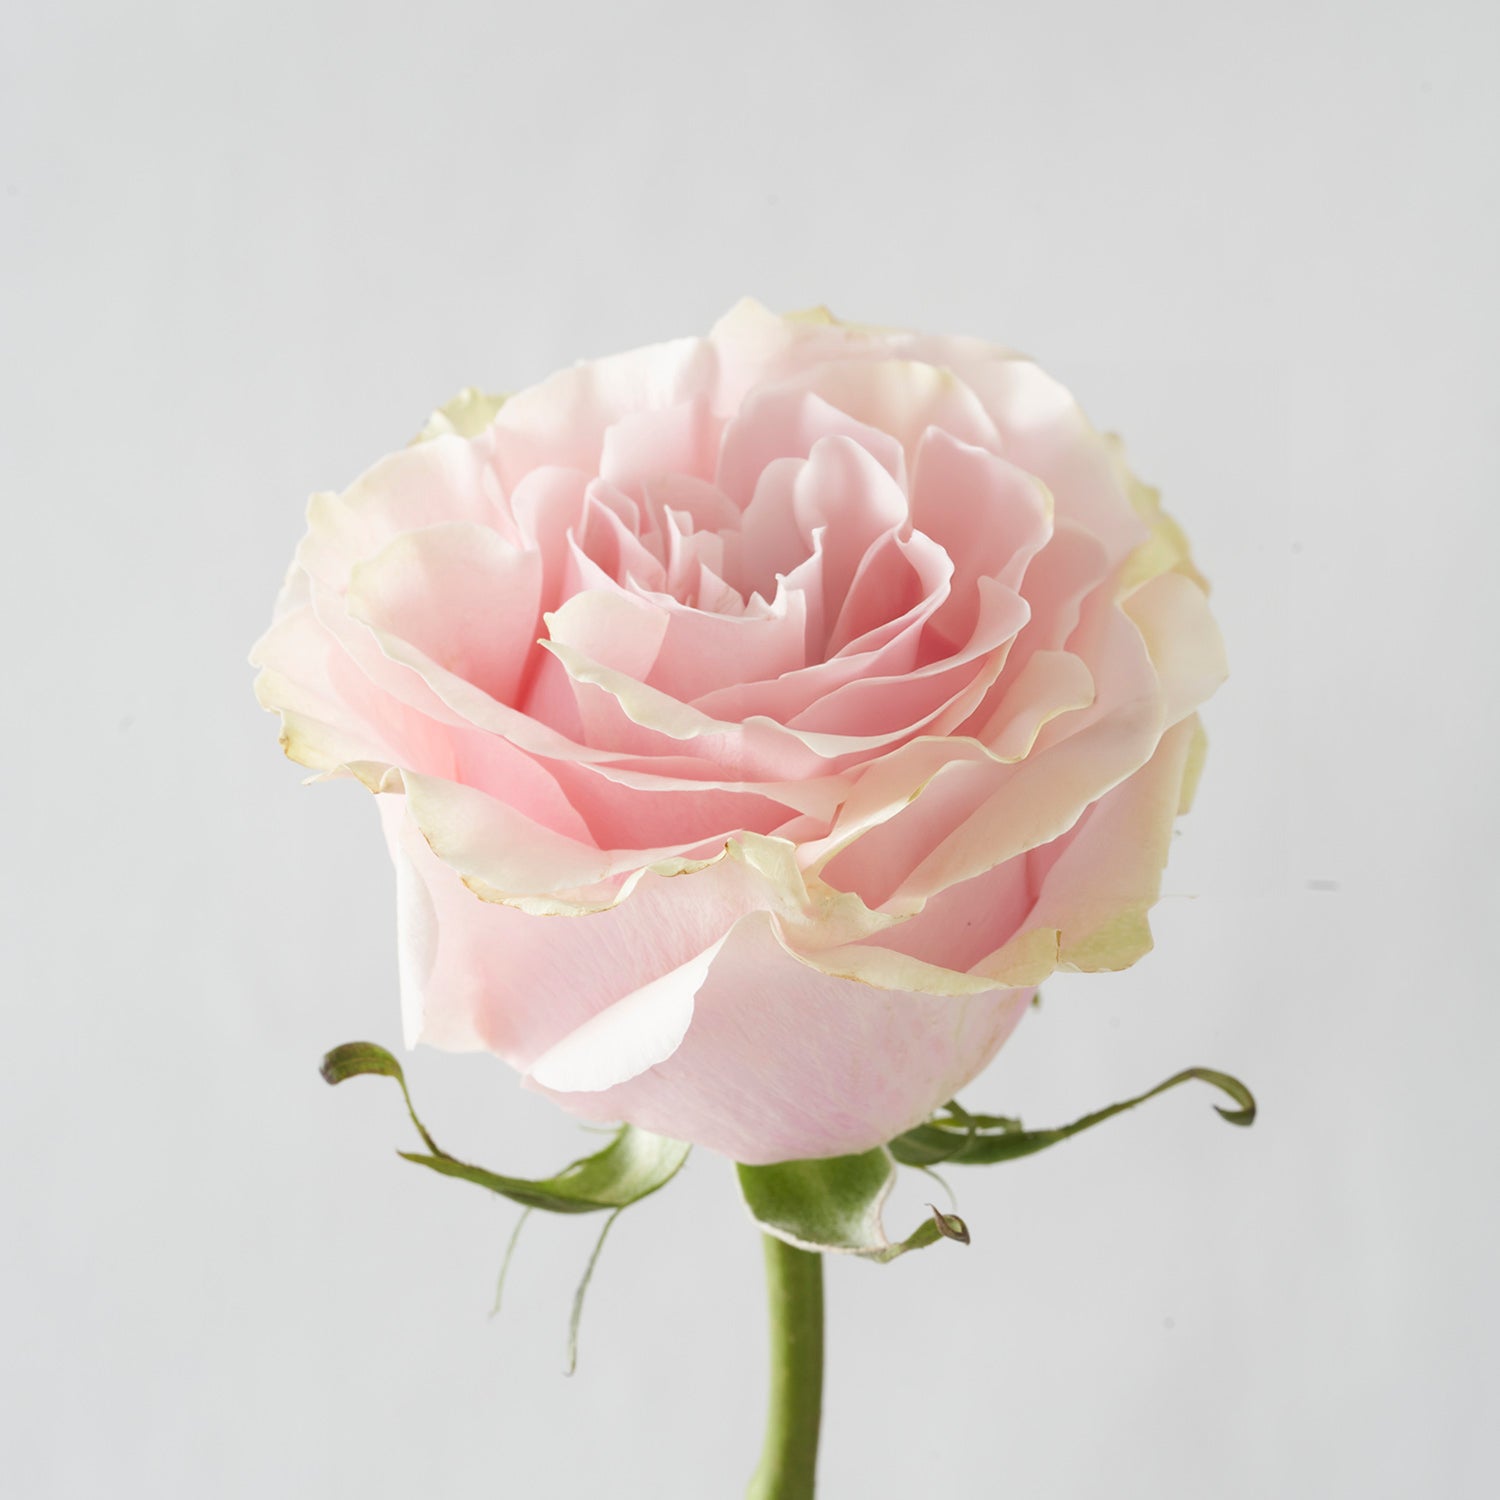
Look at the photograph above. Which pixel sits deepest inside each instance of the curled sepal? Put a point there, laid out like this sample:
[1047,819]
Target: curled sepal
[632,1166]
[940,1226]
[834,1203]
[977,1140]
[356,1058]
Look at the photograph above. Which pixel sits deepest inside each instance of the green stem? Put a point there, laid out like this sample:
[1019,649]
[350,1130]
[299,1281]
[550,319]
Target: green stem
[789,1458]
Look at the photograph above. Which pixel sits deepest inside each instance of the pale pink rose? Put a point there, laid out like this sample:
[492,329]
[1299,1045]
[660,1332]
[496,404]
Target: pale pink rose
[756,720]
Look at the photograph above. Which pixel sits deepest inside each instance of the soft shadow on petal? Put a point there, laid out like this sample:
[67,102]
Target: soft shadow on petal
[1049,684]
[502,854]
[1044,431]
[644,445]
[466,598]
[934,814]
[781,422]
[989,516]
[438,1005]
[638,1031]
[909,701]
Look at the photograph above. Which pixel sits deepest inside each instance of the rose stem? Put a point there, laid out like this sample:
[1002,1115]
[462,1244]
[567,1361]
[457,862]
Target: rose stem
[789,1458]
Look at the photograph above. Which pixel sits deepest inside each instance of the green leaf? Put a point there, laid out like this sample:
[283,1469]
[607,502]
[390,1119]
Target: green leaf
[632,1166]
[834,1203]
[978,1140]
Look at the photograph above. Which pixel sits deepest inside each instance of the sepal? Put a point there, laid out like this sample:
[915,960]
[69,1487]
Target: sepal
[835,1204]
[632,1166]
[958,1137]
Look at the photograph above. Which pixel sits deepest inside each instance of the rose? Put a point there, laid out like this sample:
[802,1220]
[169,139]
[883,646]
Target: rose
[757,720]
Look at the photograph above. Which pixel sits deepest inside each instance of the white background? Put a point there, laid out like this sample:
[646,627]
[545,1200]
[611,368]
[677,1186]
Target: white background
[247,248]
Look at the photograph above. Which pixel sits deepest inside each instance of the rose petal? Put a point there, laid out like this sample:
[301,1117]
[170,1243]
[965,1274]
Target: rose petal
[447,479]
[502,853]
[909,701]
[783,422]
[989,516]
[563,421]
[904,398]
[1050,684]
[974,811]
[840,1066]
[1043,431]
[635,1033]
[466,415]
[1186,648]
[476,973]
[468,600]
[1104,876]
[642,446]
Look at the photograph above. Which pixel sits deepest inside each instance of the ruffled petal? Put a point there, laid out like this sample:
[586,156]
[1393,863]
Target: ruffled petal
[903,397]
[781,422]
[466,415]
[479,974]
[937,813]
[989,516]
[505,854]
[447,479]
[643,446]
[1043,431]
[563,421]
[1105,875]
[469,601]
[1186,648]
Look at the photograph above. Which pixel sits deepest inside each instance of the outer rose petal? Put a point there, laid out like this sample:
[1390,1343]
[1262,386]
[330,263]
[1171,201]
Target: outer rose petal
[635,1033]
[782,1061]
[507,856]
[466,415]
[478,974]
[1043,430]
[902,397]
[1186,649]
[563,421]
[974,811]
[1104,877]
[446,479]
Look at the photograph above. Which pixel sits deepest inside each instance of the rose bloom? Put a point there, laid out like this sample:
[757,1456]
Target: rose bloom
[755,720]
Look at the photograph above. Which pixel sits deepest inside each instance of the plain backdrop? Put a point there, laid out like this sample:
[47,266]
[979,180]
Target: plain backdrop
[246,248]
